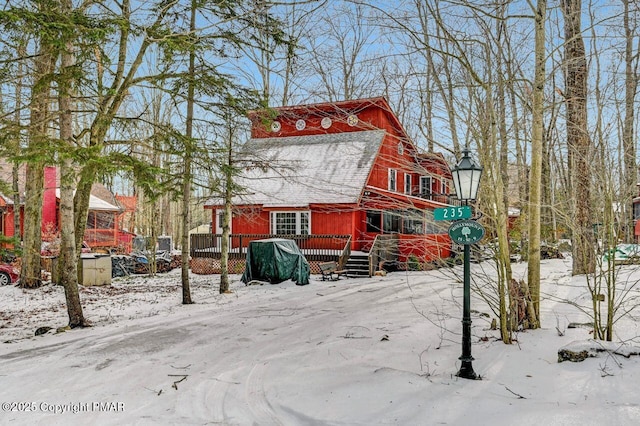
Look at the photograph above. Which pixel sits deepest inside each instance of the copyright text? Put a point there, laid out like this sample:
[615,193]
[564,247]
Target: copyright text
[71,407]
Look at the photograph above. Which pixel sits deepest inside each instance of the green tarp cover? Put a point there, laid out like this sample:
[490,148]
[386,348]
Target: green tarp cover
[275,260]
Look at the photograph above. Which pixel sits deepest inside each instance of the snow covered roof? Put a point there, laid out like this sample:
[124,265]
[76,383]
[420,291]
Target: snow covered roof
[300,170]
[4,200]
[96,203]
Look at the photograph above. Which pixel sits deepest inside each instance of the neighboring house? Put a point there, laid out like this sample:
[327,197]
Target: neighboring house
[127,217]
[102,228]
[7,209]
[7,205]
[343,168]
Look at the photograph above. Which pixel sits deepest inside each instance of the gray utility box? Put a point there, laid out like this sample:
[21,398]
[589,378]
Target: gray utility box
[96,269]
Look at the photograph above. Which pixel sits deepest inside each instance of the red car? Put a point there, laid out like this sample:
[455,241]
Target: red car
[8,274]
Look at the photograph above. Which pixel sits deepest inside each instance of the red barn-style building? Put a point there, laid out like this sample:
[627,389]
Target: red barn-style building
[341,169]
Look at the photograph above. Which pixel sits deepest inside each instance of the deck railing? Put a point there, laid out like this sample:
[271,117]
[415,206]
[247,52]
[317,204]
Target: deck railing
[346,253]
[101,237]
[314,247]
[452,200]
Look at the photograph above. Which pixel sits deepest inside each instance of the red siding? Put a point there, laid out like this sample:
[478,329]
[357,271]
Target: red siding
[427,248]
[370,115]
[389,158]
[331,222]
[8,228]
[8,225]
[250,222]
[49,202]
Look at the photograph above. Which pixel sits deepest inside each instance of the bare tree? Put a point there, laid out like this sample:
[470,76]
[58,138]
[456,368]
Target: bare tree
[40,117]
[628,139]
[339,57]
[188,153]
[535,177]
[578,139]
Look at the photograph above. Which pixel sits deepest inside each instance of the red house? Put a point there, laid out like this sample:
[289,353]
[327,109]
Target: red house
[341,169]
[101,231]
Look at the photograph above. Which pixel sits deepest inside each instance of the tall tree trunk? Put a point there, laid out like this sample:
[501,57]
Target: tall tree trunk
[68,255]
[226,217]
[186,178]
[628,140]
[15,189]
[501,142]
[535,178]
[578,140]
[81,202]
[44,64]
[15,171]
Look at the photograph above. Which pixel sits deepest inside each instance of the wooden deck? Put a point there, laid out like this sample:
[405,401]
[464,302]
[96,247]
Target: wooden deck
[314,247]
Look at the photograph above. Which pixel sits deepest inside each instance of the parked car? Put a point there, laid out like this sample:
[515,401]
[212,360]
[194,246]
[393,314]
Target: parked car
[8,274]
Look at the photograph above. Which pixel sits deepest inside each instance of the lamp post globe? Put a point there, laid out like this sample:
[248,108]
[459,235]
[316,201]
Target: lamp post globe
[466,179]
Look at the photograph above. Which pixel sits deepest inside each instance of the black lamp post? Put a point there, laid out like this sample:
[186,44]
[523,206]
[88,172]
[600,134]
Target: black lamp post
[466,179]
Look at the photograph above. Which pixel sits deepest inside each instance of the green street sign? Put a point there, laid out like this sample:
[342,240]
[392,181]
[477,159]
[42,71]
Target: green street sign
[452,213]
[466,232]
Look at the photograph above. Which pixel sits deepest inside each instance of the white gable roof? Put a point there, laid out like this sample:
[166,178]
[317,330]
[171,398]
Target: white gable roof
[300,170]
[96,203]
[7,200]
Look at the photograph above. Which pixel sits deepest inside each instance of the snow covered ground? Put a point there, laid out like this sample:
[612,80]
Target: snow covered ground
[372,351]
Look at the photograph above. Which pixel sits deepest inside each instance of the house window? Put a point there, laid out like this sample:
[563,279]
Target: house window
[393,180]
[433,227]
[391,222]
[374,221]
[220,221]
[413,222]
[290,223]
[425,186]
[407,183]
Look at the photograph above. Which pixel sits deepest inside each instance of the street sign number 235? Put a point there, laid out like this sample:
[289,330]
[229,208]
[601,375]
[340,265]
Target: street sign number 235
[452,213]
